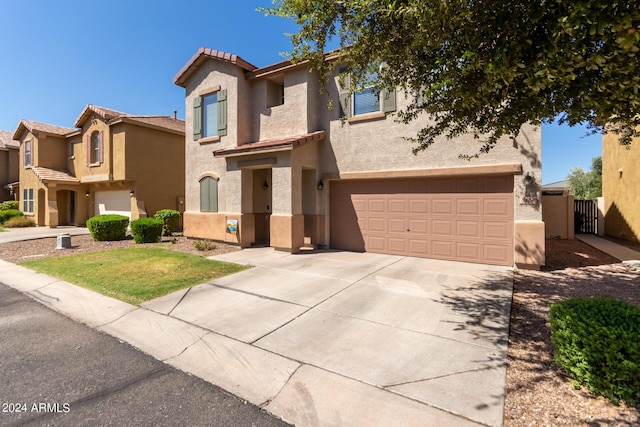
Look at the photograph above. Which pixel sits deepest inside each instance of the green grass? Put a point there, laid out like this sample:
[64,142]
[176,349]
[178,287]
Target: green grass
[134,275]
[1,229]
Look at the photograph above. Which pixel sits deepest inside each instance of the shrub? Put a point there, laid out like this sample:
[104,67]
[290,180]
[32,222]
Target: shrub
[147,230]
[597,342]
[8,214]
[204,245]
[19,221]
[108,227]
[170,219]
[9,204]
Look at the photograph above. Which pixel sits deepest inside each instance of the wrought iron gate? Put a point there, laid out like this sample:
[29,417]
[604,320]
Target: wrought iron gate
[585,216]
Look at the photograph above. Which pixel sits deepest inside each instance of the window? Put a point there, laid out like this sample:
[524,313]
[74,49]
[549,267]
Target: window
[27,153]
[95,148]
[275,92]
[208,194]
[368,100]
[210,115]
[72,149]
[27,200]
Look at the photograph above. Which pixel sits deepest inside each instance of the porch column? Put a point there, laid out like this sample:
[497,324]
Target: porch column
[51,214]
[287,221]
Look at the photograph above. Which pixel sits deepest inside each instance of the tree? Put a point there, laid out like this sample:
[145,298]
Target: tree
[485,67]
[586,185]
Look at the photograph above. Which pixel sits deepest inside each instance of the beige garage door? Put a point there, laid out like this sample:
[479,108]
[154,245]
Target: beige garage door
[464,219]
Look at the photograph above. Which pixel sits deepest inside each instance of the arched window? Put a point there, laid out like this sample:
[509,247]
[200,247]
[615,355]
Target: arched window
[208,194]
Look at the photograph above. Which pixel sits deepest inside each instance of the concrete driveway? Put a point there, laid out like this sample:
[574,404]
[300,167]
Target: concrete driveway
[31,233]
[342,338]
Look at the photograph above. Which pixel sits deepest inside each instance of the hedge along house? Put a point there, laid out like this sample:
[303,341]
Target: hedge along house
[268,162]
[9,168]
[112,162]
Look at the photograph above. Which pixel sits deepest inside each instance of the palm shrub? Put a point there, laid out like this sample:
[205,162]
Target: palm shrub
[9,204]
[170,219]
[597,342]
[108,227]
[8,214]
[147,230]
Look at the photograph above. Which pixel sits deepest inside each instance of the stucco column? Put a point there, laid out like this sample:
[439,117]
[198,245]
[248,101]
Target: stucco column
[247,226]
[51,215]
[287,221]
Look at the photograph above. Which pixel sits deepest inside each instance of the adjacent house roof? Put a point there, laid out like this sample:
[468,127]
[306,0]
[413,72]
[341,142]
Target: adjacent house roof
[202,55]
[272,145]
[52,175]
[112,116]
[7,141]
[556,187]
[105,113]
[35,128]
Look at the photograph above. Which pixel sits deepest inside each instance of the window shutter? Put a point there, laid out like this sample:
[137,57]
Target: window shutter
[345,95]
[204,195]
[101,147]
[197,118]
[89,149]
[388,100]
[213,195]
[222,112]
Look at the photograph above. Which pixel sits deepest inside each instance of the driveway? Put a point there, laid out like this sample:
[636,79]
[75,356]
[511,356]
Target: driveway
[342,338]
[30,233]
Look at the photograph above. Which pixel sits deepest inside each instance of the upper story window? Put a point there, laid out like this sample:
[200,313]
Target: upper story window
[210,115]
[95,148]
[275,91]
[27,153]
[369,100]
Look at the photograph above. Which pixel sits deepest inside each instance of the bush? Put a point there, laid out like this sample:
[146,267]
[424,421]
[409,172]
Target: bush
[108,227]
[204,245]
[597,342]
[9,204]
[8,214]
[147,230]
[170,219]
[19,221]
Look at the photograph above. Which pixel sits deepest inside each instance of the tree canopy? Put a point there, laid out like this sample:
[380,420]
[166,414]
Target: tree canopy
[586,185]
[488,66]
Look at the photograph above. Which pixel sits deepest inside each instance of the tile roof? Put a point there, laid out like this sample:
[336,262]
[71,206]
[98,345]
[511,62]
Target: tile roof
[90,109]
[164,122]
[272,145]
[7,141]
[201,55]
[52,175]
[35,127]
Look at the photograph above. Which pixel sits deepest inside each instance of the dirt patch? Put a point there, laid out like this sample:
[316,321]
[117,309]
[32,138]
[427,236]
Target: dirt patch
[538,393]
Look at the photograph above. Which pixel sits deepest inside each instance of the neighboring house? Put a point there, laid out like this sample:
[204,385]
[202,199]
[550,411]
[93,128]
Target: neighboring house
[621,187]
[9,169]
[559,188]
[111,162]
[268,163]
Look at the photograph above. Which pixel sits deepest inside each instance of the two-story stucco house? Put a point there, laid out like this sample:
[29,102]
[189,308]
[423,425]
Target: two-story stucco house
[9,171]
[268,162]
[621,188]
[111,162]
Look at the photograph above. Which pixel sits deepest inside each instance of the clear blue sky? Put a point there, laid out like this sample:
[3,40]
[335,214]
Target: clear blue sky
[58,56]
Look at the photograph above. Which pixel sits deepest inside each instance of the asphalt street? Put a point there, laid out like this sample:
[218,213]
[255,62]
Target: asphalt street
[57,372]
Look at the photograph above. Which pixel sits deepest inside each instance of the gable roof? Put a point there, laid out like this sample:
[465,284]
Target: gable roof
[36,127]
[202,55]
[7,141]
[105,113]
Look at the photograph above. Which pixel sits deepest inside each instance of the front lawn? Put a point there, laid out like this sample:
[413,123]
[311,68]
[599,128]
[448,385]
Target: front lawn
[136,274]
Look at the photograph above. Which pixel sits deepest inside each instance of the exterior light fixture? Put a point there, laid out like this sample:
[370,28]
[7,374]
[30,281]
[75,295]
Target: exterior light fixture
[529,179]
[320,185]
[86,194]
[132,193]
[265,186]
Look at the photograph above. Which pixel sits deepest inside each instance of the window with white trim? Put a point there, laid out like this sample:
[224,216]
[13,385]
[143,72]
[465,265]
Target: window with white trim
[27,200]
[27,153]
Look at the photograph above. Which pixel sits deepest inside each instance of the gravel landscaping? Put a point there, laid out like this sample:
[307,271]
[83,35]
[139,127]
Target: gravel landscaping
[537,392]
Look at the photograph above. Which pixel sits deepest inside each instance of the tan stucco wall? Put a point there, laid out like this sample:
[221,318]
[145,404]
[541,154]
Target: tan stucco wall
[529,244]
[93,172]
[9,170]
[620,187]
[557,214]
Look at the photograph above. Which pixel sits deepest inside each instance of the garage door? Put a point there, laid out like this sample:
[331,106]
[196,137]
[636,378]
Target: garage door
[464,219]
[113,202]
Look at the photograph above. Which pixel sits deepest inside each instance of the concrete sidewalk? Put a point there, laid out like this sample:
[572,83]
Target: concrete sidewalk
[327,338]
[31,233]
[608,247]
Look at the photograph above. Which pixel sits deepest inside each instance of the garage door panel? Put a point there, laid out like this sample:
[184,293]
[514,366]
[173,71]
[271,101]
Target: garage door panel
[466,219]
[113,202]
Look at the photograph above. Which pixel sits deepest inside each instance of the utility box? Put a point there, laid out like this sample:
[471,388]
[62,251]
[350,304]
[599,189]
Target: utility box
[64,241]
